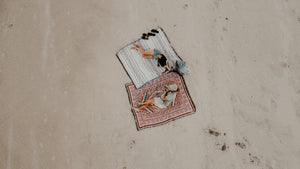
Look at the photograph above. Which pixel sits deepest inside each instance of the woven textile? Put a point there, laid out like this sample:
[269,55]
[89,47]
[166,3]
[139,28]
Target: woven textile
[142,70]
[152,115]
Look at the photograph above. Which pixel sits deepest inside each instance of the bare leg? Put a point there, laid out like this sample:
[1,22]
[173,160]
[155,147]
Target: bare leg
[145,54]
[142,107]
[166,69]
[146,104]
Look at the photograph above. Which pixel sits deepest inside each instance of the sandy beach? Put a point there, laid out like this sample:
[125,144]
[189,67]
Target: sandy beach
[63,103]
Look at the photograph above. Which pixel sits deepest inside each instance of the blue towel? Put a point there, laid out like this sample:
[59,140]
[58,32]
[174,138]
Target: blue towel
[181,68]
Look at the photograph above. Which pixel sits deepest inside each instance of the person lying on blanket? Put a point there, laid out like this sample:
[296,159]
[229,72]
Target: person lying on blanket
[155,54]
[161,101]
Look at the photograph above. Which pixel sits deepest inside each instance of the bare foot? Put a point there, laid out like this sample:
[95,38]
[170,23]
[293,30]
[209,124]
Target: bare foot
[133,47]
[136,109]
[138,45]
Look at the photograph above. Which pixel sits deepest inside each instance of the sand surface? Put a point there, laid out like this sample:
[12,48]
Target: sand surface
[63,104]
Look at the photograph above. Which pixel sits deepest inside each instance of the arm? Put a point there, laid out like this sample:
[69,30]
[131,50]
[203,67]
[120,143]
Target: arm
[164,97]
[158,57]
[166,69]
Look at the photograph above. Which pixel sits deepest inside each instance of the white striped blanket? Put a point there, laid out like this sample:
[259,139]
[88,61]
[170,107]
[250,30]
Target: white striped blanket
[140,69]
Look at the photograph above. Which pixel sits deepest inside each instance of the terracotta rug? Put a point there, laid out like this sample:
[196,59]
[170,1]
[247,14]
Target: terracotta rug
[153,116]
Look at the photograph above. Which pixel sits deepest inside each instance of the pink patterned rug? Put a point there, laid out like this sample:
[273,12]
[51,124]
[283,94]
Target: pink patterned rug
[152,115]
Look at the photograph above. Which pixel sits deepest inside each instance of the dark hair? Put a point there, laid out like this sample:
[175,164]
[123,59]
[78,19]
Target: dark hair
[163,60]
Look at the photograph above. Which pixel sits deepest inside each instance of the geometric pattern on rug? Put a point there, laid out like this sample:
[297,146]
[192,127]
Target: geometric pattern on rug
[153,116]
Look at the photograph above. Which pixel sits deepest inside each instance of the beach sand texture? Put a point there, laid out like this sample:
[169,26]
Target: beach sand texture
[63,103]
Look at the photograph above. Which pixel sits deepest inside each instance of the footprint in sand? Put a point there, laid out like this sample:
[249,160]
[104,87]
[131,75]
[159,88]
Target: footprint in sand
[241,145]
[185,6]
[132,144]
[223,147]
[254,160]
[10,25]
[213,132]
[298,19]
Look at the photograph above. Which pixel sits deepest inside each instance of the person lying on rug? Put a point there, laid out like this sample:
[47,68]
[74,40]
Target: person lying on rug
[161,101]
[155,54]
[179,66]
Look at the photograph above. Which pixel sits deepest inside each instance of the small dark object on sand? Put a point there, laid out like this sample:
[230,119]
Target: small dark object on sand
[212,132]
[151,34]
[154,31]
[223,147]
[145,36]
[241,145]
